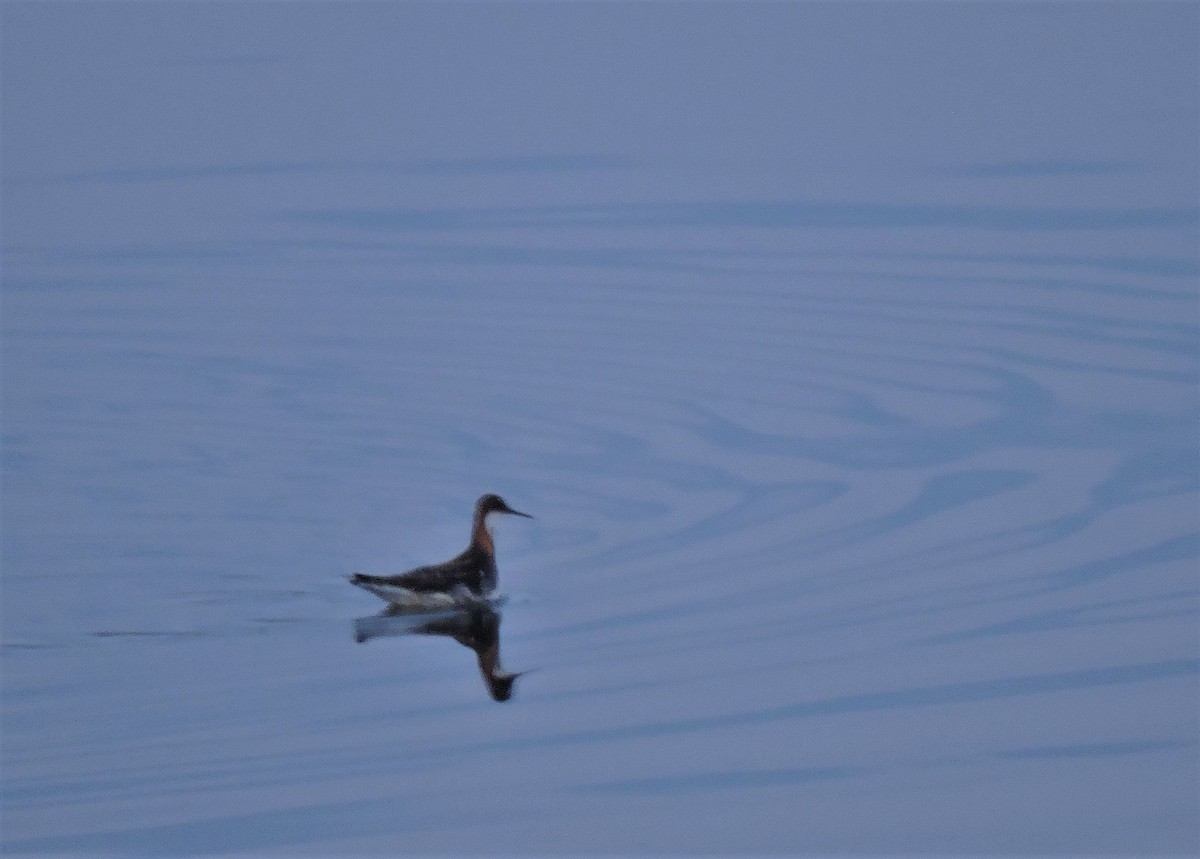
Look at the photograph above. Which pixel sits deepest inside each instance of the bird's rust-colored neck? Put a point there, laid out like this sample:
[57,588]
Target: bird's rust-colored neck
[481,536]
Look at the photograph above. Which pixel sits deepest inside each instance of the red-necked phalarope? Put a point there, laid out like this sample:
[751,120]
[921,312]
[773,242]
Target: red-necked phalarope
[469,577]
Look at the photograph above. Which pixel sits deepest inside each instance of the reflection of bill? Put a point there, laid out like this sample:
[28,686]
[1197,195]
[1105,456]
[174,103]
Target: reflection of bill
[476,627]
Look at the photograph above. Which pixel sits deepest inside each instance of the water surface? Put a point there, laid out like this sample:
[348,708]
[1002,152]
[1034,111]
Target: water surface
[847,356]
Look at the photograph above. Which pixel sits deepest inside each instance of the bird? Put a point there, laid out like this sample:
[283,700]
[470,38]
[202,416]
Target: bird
[469,577]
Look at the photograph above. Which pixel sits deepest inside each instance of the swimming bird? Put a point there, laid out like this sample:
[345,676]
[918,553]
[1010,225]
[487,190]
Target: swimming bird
[466,578]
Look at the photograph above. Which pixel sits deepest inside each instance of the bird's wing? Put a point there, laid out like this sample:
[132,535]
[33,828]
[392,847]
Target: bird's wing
[441,577]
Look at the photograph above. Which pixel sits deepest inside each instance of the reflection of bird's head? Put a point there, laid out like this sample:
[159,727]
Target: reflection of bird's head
[501,683]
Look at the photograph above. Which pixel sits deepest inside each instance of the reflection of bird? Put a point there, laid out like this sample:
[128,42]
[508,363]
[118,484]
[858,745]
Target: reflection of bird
[468,577]
[476,627]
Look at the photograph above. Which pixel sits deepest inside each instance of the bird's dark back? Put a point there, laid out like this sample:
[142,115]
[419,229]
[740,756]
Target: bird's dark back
[474,568]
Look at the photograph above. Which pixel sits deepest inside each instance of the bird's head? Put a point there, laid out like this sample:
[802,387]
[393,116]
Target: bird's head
[492,503]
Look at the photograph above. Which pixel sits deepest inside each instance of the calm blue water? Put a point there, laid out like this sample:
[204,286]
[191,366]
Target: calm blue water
[847,356]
